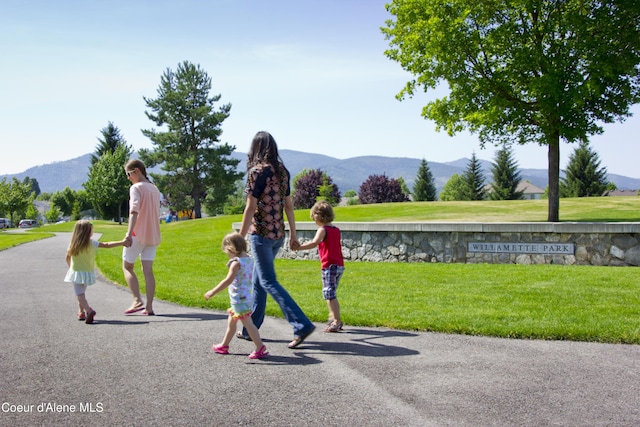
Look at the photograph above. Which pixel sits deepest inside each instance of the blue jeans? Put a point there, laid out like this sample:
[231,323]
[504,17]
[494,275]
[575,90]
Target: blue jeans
[264,252]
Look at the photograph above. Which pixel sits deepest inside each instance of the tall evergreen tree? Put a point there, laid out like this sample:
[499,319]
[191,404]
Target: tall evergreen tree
[584,177]
[424,189]
[110,140]
[505,176]
[33,183]
[474,180]
[188,147]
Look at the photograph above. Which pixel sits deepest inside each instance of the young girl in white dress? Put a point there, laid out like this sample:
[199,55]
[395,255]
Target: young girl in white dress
[81,259]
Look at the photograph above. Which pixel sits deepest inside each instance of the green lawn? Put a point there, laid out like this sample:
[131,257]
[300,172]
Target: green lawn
[8,239]
[583,303]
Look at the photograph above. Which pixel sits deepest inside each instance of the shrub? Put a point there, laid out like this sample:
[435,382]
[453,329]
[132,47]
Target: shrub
[381,189]
[311,186]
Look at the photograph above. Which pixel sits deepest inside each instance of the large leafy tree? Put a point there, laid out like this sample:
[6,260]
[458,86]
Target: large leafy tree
[424,188]
[188,146]
[521,71]
[454,189]
[506,176]
[473,178]
[107,184]
[584,177]
[71,202]
[15,199]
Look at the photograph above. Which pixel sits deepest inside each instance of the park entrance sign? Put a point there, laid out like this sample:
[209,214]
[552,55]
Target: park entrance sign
[523,248]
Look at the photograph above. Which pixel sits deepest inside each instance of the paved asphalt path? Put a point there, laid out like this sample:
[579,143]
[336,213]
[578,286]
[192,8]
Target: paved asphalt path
[159,371]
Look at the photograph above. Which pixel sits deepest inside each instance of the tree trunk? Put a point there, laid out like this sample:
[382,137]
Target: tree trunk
[197,206]
[120,213]
[554,178]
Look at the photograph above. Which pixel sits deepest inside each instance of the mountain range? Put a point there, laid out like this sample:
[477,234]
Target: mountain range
[348,174]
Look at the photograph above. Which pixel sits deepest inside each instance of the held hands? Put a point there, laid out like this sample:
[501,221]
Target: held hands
[127,241]
[294,244]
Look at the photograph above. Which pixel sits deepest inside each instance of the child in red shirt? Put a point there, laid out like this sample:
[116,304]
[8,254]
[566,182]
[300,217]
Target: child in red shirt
[327,239]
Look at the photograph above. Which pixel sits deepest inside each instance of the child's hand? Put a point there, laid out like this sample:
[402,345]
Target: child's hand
[208,295]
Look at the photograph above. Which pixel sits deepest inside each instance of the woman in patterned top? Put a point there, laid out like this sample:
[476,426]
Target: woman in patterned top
[268,200]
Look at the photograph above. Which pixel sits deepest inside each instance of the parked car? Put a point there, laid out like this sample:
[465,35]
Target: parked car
[5,223]
[27,223]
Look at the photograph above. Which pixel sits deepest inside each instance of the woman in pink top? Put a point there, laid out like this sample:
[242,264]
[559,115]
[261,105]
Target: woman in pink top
[143,235]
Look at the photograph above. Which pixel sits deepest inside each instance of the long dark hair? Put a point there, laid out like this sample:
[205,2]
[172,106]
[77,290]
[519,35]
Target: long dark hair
[264,150]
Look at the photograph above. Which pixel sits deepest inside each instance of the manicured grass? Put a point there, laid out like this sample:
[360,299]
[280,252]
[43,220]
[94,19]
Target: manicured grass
[582,303]
[9,239]
[585,209]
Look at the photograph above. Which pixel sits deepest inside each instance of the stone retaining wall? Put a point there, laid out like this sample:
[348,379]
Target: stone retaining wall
[610,244]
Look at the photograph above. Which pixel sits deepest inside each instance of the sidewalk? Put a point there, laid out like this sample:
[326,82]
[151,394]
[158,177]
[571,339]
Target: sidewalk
[148,371]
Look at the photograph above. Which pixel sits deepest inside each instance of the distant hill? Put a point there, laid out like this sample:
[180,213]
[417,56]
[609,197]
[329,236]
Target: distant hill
[348,174]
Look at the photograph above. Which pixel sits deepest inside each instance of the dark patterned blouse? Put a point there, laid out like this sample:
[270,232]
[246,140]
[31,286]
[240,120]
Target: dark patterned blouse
[270,189]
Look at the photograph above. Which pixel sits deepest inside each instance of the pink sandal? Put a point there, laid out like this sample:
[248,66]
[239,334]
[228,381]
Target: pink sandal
[220,349]
[135,308]
[259,354]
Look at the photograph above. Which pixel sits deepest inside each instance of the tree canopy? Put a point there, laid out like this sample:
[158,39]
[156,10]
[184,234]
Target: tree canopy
[107,184]
[188,148]
[15,198]
[521,71]
[454,189]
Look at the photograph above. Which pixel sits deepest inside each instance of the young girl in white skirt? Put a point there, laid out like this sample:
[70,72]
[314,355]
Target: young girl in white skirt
[81,259]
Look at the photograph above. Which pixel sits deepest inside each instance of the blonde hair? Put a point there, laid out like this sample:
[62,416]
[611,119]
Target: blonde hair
[322,212]
[81,237]
[234,243]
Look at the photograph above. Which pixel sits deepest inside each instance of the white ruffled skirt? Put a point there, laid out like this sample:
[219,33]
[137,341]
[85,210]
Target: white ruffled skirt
[80,277]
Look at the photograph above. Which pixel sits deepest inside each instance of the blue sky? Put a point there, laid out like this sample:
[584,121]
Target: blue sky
[313,73]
